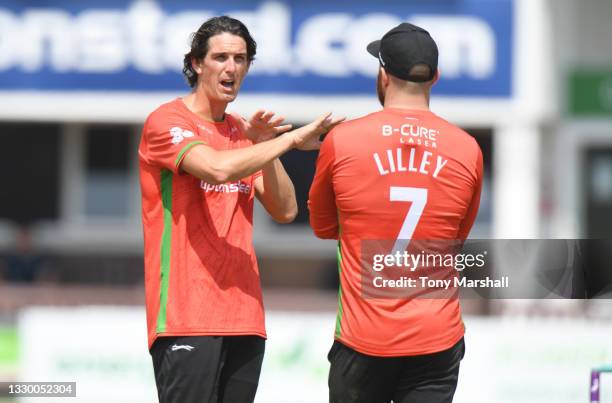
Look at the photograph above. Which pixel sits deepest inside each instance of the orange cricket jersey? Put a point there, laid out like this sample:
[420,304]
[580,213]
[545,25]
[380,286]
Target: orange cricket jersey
[438,167]
[201,274]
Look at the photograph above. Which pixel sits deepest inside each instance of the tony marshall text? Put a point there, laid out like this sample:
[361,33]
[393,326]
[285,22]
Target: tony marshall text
[426,282]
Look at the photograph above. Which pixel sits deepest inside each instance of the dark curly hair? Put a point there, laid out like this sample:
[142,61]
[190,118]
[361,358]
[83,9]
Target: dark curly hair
[210,28]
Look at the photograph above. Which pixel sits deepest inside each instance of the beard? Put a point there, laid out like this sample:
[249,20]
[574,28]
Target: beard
[380,90]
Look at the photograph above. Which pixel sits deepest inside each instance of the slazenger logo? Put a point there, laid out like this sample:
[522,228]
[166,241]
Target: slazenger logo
[179,134]
[182,347]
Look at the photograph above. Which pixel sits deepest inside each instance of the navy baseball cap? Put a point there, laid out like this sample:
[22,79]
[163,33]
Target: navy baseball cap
[402,48]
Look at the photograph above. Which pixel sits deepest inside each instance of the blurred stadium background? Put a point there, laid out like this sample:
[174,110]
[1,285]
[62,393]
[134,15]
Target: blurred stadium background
[530,79]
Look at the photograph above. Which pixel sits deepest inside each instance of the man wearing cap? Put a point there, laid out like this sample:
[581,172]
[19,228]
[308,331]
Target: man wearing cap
[399,174]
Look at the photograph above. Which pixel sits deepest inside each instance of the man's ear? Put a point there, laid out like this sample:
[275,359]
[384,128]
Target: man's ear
[196,64]
[436,77]
[384,77]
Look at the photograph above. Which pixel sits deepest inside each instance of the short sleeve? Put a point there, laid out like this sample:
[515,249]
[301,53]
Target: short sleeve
[166,139]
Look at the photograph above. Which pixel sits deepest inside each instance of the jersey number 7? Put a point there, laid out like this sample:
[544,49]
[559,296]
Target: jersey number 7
[418,197]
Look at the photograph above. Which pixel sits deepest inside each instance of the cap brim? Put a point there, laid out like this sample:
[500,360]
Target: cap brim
[374,48]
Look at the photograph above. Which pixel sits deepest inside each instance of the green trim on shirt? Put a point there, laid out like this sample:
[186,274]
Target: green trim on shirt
[165,248]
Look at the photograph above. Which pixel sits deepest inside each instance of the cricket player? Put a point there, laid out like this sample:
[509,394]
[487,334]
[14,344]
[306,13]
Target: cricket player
[200,170]
[400,173]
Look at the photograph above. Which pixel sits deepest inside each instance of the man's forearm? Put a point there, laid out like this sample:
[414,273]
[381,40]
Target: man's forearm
[278,193]
[246,161]
[229,165]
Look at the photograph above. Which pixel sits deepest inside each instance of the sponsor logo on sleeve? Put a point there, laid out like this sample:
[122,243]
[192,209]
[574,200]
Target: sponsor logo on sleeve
[178,135]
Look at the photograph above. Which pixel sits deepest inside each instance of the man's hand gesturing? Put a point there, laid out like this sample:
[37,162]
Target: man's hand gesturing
[262,126]
[306,138]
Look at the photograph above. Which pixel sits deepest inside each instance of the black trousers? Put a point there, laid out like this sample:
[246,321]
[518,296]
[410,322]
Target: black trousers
[207,369]
[360,378]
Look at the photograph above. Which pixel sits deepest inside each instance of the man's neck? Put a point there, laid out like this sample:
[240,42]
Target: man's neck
[403,100]
[202,106]
[415,104]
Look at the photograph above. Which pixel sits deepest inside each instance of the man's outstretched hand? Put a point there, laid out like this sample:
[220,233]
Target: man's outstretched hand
[306,138]
[262,126]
